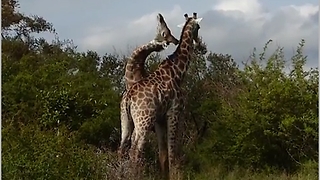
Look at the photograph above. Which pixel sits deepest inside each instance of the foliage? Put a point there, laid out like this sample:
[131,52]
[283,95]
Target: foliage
[272,120]
[17,24]
[31,153]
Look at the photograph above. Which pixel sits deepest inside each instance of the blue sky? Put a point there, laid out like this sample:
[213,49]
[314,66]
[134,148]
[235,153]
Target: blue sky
[228,26]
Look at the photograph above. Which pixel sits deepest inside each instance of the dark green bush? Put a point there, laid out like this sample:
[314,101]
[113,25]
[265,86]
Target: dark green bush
[30,153]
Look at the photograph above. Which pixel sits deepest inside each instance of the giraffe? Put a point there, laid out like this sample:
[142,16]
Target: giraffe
[135,71]
[159,95]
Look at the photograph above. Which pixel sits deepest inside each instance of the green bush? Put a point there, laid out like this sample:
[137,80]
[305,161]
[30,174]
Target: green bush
[30,153]
[274,122]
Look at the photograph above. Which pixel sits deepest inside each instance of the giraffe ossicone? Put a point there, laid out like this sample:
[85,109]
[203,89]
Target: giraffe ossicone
[198,20]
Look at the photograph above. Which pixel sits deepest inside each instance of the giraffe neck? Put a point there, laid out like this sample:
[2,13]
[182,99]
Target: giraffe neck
[135,67]
[180,59]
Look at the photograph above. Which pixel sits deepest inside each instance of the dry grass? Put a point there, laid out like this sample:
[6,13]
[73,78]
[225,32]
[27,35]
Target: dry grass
[124,170]
[309,172]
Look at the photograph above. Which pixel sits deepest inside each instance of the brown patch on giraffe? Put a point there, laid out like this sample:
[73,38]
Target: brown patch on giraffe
[171,72]
[155,90]
[135,87]
[143,106]
[149,94]
[181,65]
[166,78]
[183,46]
[139,101]
[162,71]
[141,83]
[134,98]
[153,81]
[146,111]
[146,89]
[178,81]
[158,78]
[185,52]
[140,95]
[169,63]
[165,66]
[157,73]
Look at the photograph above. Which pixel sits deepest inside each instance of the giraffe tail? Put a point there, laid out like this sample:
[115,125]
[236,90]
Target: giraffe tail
[126,125]
[128,110]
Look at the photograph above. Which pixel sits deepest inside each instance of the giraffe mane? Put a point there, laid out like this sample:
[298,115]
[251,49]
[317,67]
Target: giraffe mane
[173,55]
[183,29]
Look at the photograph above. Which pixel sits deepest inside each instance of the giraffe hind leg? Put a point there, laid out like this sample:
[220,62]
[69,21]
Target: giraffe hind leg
[136,152]
[142,127]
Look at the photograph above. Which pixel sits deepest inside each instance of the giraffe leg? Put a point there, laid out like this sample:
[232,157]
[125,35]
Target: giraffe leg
[133,136]
[172,127]
[133,145]
[160,129]
[133,154]
[136,151]
[142,127]
[141,141]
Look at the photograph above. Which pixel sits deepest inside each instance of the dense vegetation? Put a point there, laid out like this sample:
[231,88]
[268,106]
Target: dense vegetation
[60,113]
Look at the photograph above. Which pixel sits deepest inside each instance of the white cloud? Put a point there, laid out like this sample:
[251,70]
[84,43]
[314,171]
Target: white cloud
[138,31]
[238,34]
[306,10]
[248,8]
[232,27]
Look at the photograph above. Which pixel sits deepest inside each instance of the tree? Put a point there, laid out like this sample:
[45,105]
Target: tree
[18,25]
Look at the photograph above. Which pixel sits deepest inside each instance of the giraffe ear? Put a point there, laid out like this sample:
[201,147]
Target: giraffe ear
[160,18]
[198,20]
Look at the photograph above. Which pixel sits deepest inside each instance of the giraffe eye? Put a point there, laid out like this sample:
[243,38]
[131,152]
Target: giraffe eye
[163,34]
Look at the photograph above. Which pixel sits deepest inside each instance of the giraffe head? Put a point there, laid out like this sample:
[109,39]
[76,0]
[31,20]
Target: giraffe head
[199,45]
[164,33]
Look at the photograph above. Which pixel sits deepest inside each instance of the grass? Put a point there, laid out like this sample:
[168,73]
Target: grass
[308,171]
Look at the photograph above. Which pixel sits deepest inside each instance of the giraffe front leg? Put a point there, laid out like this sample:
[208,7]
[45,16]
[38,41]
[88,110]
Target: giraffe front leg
[172,128]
